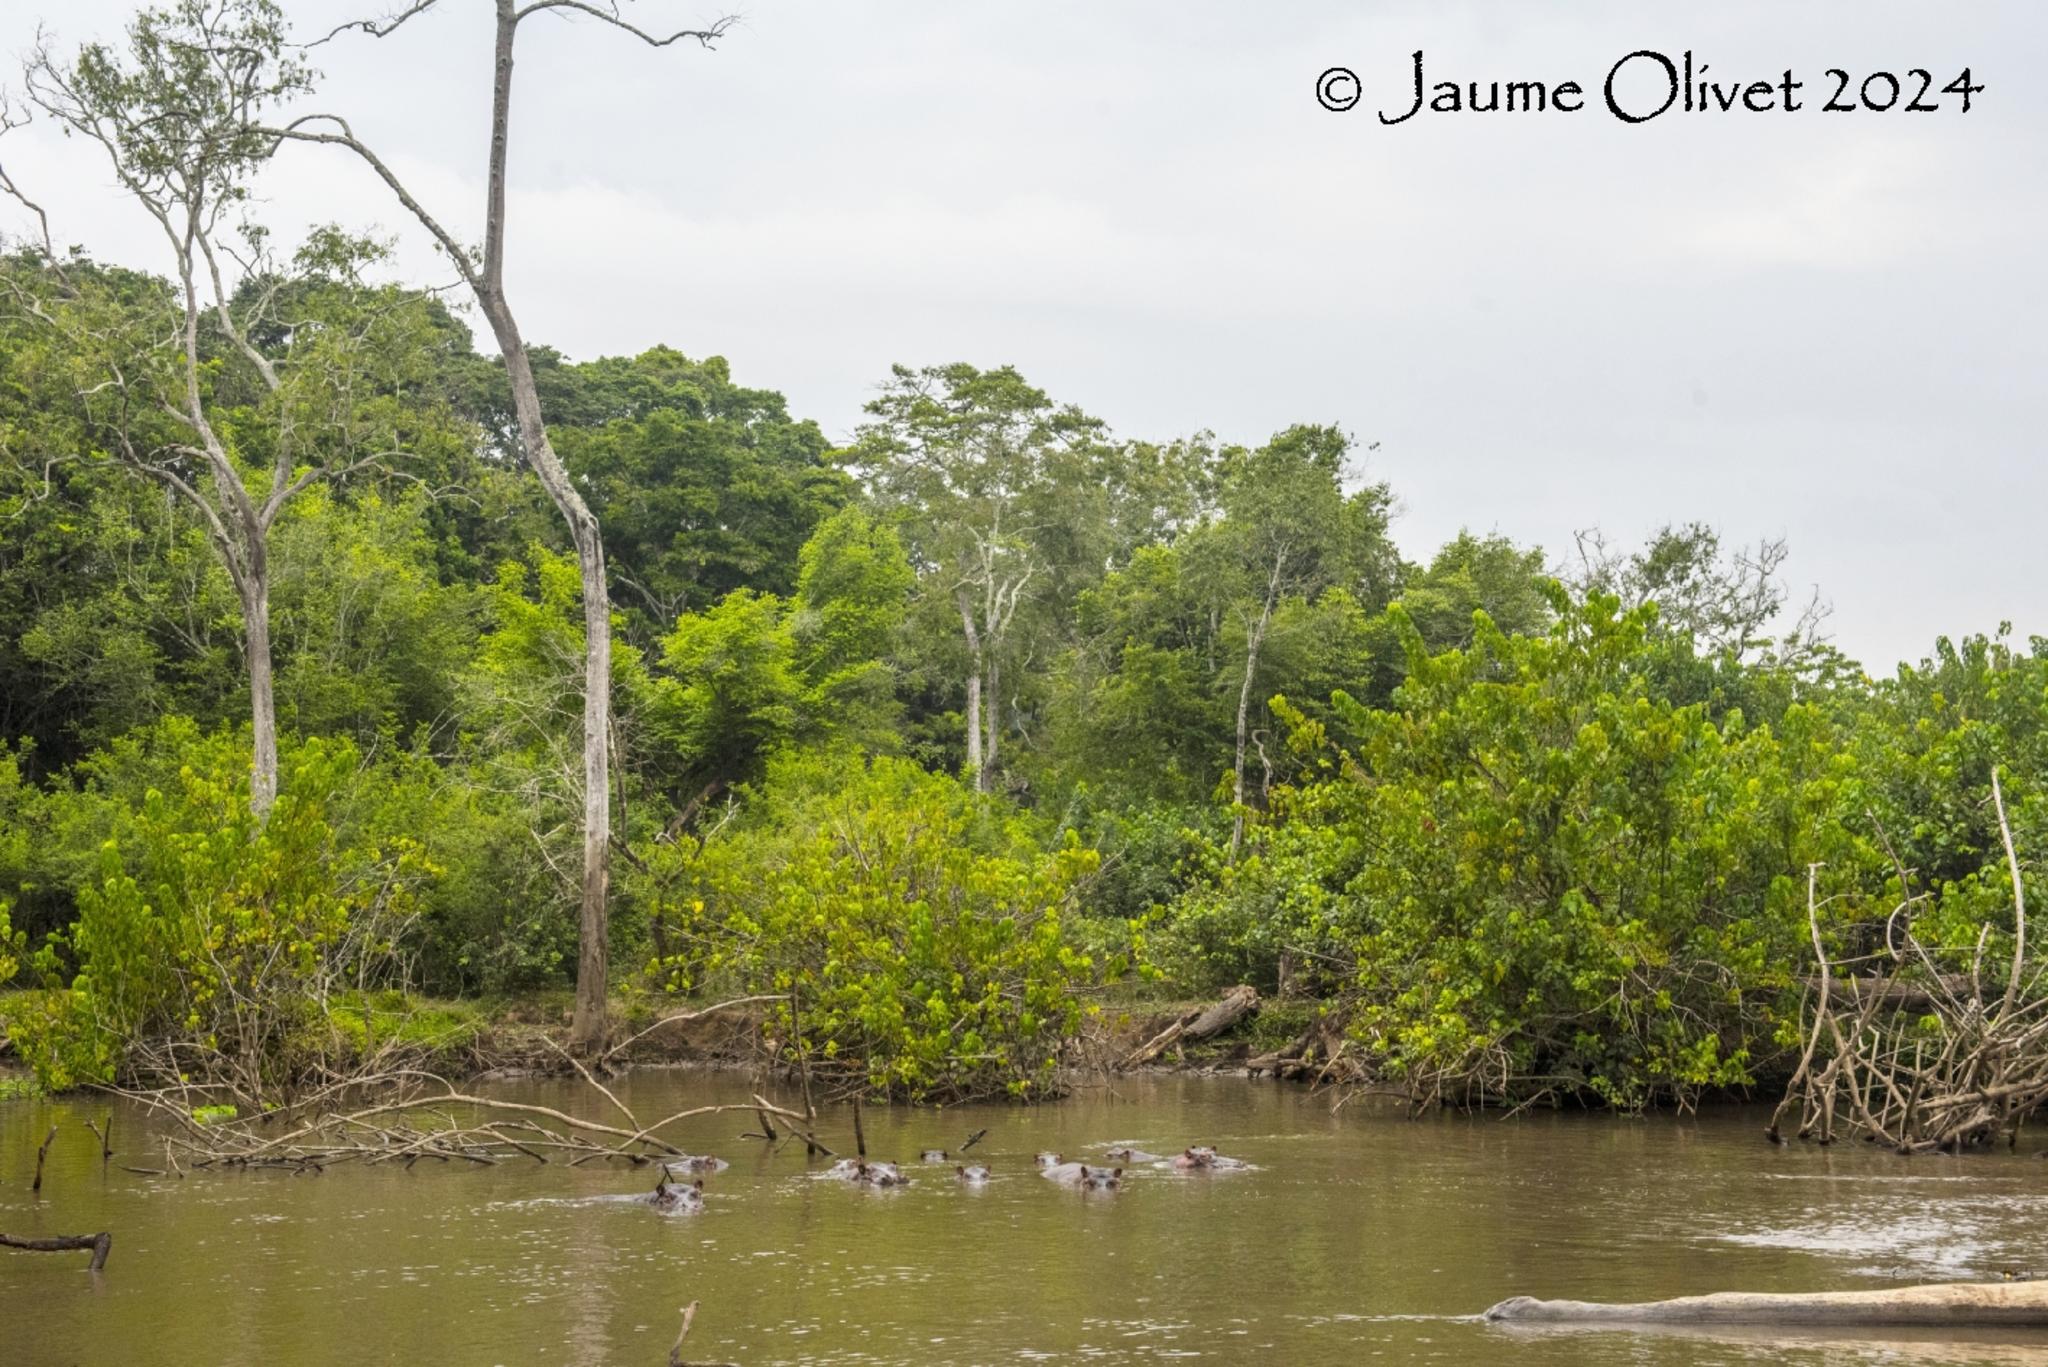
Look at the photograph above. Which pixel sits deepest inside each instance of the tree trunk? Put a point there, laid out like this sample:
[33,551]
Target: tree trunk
[976,771]
[262,689]
[992,718]
[1244,706]
[587,1030]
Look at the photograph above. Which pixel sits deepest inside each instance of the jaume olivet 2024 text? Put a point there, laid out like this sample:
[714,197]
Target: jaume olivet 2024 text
[1645,85]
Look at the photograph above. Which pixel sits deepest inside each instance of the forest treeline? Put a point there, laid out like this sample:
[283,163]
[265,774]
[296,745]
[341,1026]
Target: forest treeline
[942,729]
[930,738]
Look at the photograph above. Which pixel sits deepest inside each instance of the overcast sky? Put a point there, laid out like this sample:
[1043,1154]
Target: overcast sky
[1827,327]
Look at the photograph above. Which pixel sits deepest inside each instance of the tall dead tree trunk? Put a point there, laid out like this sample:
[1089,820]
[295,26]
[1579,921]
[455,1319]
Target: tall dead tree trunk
[486,279]
[587,1030]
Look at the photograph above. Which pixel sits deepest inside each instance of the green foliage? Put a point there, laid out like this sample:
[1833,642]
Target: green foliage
[915,928]
[703,487]
[19,1088]
[1534,843]
[1550,880]
[13,947]
[209,941]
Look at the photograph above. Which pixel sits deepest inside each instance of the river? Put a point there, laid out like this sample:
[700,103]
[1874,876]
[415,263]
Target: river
[1358,1237]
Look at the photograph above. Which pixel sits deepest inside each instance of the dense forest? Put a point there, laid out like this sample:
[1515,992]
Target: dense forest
[940,739]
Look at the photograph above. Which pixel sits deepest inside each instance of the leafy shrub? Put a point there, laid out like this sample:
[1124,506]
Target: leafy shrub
[211,943]
[914,928]
[13,946]
[1554,882]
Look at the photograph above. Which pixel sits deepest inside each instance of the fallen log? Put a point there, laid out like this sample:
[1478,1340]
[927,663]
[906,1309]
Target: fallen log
[100,1244]
[1953,1304]
[1198,1024]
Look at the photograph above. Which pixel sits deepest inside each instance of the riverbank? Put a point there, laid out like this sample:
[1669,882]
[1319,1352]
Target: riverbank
[470,1038]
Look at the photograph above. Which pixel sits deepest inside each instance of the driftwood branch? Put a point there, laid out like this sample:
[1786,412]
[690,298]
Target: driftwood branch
[1954,1304]
[100,1244]
[443,1125]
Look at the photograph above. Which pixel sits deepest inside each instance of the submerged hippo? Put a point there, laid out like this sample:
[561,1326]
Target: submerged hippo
[1202,1158]
[702,1162]
[669,1197]
[1048,1159]
[973,1175]
[860,1170]
[934,1156]
[1130,1155]
[1082,1176]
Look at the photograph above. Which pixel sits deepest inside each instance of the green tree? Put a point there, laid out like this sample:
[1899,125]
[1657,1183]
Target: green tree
[201,387]
[703,486]
[1288,530]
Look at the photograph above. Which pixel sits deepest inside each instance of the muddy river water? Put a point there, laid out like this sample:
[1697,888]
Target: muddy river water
[1359,1237]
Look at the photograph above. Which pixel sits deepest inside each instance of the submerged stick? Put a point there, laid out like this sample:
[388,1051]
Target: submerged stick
[860,1136]
[41,1154]
[105,1136]
[675,1353]
[100,1244]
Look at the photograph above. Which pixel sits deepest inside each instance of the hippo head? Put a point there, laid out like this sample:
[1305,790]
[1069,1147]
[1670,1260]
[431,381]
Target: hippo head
[1101,1179]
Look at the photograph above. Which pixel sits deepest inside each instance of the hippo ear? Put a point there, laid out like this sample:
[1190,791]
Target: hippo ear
[697,1185]
[960,1168]
[1084,1171]
[1118,1173]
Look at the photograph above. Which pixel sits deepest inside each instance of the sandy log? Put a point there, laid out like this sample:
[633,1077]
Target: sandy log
[1214,1019]
[1957,1304]
[100,1244]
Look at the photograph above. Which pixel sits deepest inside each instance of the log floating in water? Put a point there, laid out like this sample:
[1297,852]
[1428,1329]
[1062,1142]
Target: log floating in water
[100,1244]
[1953,1304]
[1199,1024]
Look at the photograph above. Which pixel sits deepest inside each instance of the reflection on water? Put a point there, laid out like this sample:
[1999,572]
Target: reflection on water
[1356,1237]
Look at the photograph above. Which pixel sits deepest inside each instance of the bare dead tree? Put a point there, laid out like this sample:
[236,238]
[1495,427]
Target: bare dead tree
[484,273]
